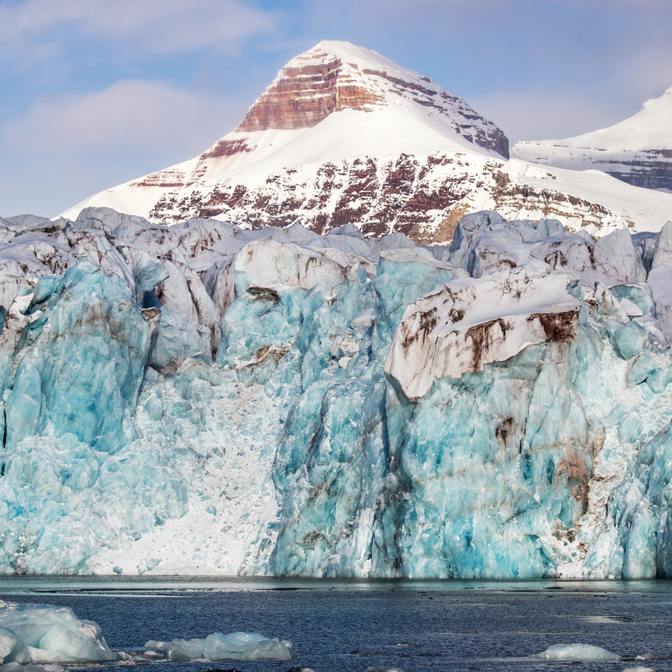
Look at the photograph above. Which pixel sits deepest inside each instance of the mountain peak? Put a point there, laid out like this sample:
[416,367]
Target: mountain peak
[309,88]
[336,76]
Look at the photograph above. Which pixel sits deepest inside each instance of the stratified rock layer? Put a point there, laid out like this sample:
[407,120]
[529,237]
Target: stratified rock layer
[334,77]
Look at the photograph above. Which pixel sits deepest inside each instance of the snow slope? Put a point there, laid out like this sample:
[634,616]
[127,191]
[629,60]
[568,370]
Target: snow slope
[637,150]
[344,135]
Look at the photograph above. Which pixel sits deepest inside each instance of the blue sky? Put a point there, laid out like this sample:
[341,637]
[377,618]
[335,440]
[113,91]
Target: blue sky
[97,92]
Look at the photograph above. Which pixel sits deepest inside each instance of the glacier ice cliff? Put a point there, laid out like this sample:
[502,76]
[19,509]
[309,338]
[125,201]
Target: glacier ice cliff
[203,399]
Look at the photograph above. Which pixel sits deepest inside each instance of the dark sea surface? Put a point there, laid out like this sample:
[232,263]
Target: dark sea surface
[351,626]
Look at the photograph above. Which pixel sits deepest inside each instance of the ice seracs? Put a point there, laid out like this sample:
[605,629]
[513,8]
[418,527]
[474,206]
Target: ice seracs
[205,399]
[468,323]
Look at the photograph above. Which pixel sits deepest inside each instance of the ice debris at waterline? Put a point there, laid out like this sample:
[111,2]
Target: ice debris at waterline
[202,399]
[234,646]
[40,633]
[29,667]
[577,652]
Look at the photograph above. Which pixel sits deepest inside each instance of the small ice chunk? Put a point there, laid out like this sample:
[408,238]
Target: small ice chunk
[631,310]
[234,646]
[627,669]
[17,667]
[41,633]
[577,652]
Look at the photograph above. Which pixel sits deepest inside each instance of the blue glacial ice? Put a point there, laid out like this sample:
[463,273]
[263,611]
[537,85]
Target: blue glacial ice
[202,399]
[234,646]
[41,633]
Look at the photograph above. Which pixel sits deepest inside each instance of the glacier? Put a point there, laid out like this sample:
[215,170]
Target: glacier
[202,399]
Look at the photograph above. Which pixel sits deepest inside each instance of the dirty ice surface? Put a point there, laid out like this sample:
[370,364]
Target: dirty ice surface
[201,399]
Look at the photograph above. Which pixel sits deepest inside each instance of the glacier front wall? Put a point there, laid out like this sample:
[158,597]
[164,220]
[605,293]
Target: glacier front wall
[207,400]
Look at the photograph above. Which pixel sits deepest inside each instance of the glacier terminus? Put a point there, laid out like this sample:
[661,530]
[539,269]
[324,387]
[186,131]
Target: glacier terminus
[203,399]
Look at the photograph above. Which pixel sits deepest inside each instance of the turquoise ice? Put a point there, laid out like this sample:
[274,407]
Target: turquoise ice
[205,399]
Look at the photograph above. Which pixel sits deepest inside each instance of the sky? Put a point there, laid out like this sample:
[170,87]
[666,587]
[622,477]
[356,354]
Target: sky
[94,93]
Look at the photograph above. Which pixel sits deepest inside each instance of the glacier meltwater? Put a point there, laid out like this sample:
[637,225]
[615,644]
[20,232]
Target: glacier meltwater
[200,399]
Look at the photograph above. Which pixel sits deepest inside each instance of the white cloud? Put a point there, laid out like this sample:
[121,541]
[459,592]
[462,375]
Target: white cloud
[133,115]
[155,26]
[65,149]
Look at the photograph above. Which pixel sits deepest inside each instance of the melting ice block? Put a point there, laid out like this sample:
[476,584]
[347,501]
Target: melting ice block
[234,646]
[577,652]
[41,633]
[470,322]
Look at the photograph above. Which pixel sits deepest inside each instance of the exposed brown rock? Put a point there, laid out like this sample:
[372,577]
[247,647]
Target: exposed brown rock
[653,172]
[423,199]
[304,95]
[226,148]
[559,327]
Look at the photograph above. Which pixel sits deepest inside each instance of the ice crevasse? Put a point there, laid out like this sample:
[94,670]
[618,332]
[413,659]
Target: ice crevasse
[203,399]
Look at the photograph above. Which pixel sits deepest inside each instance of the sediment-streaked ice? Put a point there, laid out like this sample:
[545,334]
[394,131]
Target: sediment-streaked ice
[200,399]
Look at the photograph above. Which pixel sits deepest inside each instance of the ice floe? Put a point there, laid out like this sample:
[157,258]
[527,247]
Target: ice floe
[234,646]
[577,652]
[40,633]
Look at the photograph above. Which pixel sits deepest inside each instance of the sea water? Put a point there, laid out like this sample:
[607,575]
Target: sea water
[351,626]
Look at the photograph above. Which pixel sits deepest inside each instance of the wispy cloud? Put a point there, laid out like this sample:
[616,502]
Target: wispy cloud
[154,26]
[138,115]
[69,147]
[548,115]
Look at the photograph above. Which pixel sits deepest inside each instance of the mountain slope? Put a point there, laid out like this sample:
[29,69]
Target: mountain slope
[344,135]
[637,150]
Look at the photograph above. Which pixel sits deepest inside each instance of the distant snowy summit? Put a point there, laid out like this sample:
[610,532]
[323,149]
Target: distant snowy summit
[344,136]
[637,150]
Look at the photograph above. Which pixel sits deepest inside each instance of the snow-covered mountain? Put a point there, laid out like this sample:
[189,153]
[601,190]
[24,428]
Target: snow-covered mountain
[637,150]
[344,135]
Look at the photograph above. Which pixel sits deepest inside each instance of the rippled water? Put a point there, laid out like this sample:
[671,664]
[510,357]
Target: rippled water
[351,626]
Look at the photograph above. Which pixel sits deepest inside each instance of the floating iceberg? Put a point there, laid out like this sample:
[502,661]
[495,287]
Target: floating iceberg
[40,633]
[577,652]
[234,646]
[201,399]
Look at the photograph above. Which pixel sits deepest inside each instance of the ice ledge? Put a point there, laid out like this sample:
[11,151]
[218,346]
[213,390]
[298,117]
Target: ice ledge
[470,322]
